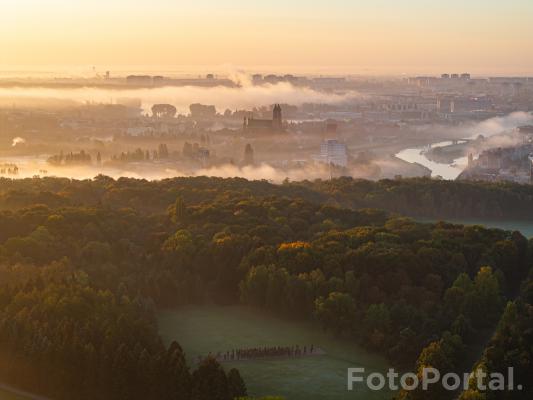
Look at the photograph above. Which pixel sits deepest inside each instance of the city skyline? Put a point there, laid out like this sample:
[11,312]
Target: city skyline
[379,37]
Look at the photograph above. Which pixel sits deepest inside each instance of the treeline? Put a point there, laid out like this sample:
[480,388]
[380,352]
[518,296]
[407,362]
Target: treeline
[417,197]
[430,198]
[70,158]
[139,155]
[143,196]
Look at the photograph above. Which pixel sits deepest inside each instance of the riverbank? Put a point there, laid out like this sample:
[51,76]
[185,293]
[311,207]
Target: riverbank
[417,155]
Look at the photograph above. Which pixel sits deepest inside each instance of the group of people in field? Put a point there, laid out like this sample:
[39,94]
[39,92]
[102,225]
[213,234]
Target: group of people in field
[265,352]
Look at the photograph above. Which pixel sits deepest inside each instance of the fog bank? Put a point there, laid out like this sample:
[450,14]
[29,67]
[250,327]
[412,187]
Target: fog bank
[233,98]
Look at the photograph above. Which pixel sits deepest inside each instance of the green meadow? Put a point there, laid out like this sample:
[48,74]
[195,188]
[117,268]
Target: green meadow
[204,329]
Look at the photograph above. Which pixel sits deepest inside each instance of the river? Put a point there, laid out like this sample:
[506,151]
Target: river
[488,128]
[446,171]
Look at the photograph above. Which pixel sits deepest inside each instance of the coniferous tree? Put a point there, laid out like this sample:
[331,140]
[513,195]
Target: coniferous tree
[210,381]
[236,385]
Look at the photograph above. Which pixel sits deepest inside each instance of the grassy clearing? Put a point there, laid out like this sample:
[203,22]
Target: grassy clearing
[205,329]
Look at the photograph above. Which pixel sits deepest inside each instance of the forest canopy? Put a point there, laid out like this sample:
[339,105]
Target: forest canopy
[84,266]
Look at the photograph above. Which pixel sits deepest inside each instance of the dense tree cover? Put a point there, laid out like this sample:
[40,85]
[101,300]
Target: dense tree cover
[65,339]
[85,264]
[477,304]
[418,197]
[393,287]
[511,346]
[138,194]
[210,382]
[77,309]
[430,198]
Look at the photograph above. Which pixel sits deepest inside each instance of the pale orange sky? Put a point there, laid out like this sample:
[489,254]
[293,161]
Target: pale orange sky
[381,35]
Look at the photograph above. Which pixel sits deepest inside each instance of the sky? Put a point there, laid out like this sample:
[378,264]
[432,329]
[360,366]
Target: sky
[352,36]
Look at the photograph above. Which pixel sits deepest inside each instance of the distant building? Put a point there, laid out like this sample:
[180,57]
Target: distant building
[512,164]
[445,104]
[508,79]
[139,79]
[491,159]
[146,80]
[331,128]
[471,103]
[465,76]
[257,79]
[202,111]
[333,152]
[402,106]
[329,82]
[265,125]
[158,80]
[422,80]
[526,129]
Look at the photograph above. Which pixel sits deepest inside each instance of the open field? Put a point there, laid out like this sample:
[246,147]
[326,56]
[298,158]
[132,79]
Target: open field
[204,329]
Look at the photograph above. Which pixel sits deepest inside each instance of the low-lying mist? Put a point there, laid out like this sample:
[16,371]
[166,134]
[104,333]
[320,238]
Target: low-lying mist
[246,96]
[487,128]
[31,167]
[497,125]
[497,131]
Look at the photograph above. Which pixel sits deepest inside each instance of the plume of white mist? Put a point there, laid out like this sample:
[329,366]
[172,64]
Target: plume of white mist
[504,140]
[271,173]
[487,128]
[245,96]
[17,140]
[496,125]
[240,77]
